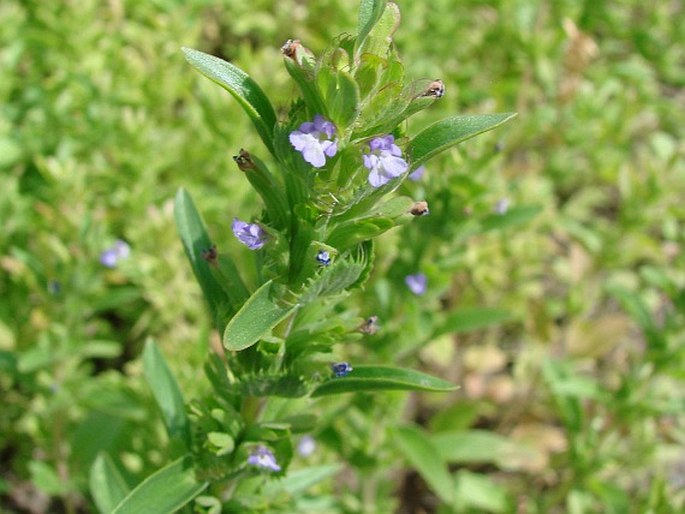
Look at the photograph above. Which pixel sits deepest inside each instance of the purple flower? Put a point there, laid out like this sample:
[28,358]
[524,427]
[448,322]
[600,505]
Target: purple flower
[416,283]
[119,250]
[417,173]
[315,140]
[384,161]
[341,369]
[250,234]
[306,446]
[264,458]
[323,258]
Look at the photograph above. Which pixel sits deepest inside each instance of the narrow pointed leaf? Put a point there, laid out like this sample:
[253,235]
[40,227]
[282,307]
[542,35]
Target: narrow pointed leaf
[449,132]
[107,486]
[382,378]
[165,491]
[243,88]
[166,393]
[254,320]
[417,448]
[195,239]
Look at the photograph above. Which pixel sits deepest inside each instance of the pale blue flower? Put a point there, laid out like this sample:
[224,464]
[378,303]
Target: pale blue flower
[264,458]
[323,258]
[306,446]
[315,140]
[111,256]
[416,283]
[384,160]
[250,234]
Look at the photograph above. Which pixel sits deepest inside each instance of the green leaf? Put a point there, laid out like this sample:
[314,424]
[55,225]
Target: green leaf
[271,191]
[382,378]
[305,80]
[332,280]
[449,132]
[195,239]
[354,232]
[471,446]
[165,491]
[480,492]
[227,275]
[166,393]
[417,448]
[254,320]
[513,217]
[342,97]
[379,38]
[46,479]
[370,11]
[248,93]
[107,486]
[466,320]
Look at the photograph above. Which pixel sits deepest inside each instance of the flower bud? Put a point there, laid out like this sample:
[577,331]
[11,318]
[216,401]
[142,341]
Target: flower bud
[420,209]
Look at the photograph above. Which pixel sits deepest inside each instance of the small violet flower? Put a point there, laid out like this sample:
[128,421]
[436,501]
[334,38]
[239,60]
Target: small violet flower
[264,458]
[315,140]
[111,256]
[323,258]
[250,234]
[417,173]
[416,283]
[306,446]
[384,160]
[341,369]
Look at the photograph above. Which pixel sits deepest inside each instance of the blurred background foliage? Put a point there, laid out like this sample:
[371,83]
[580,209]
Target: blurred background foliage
[561,319]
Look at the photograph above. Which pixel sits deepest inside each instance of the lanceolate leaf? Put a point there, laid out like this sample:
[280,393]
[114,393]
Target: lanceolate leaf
[254,320]
[415,445]
[195,239]
[242,87]
[165,491]
[166,392]
[107,486]
[380,378]
[449,132]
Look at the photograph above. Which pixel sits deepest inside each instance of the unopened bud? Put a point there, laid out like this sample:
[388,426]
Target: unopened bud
[435,89]
[420,209]
[370,326]
[289,48]
[244,161]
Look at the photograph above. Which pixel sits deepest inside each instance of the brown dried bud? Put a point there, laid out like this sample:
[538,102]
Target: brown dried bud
[370,326]
[243,160]
[435,89]
[289,48]
[420,209]
[211,255]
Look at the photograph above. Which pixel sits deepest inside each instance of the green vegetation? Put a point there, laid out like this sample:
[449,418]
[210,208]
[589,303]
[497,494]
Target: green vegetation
[553,256]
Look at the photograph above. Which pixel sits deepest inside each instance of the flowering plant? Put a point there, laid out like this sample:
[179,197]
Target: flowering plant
[334,163]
